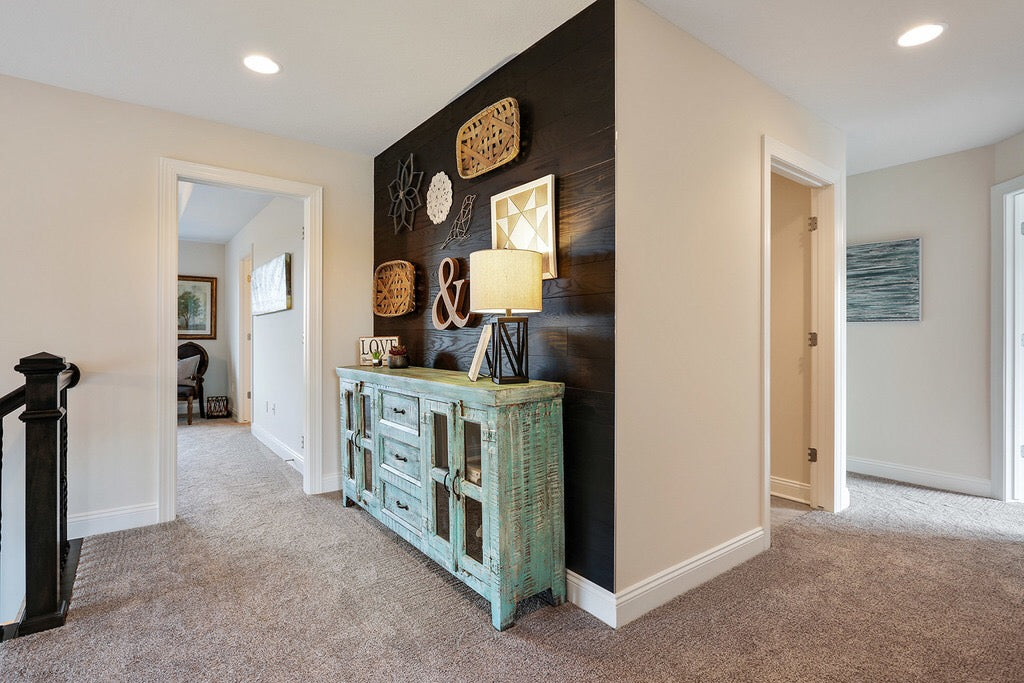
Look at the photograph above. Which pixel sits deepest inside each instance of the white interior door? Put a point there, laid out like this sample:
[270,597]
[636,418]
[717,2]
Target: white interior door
[813,354]
[245,340]
[793,319]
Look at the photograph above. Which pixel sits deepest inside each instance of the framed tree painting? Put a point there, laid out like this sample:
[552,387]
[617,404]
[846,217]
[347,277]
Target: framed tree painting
[197,307]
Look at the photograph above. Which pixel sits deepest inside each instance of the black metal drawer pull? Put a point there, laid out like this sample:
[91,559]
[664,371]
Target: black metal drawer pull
[399,457]
[400,412]
[400,506]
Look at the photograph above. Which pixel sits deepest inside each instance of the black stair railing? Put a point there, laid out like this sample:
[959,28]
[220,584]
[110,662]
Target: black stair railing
[51,559]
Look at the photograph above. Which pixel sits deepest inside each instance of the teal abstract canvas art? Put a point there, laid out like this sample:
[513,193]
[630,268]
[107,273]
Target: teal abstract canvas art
[883,281]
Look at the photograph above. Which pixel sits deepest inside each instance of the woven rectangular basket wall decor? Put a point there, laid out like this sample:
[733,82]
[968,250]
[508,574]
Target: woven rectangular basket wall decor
[394,289]
[489,139]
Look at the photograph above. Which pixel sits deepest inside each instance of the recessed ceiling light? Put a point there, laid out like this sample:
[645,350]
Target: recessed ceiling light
[261,64]
[919,35]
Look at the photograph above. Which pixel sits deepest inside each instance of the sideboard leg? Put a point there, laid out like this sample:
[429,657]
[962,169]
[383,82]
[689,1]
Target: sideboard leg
[502,613]
[558,590]
[347,502]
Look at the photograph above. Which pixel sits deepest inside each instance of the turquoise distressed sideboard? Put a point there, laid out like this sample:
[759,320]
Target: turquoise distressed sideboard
[468,472]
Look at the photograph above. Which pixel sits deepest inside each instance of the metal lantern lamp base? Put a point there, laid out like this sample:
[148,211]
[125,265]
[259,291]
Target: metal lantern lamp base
[507,356]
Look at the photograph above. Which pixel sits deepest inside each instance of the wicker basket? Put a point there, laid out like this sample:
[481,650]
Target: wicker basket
[489,139]
[394,289]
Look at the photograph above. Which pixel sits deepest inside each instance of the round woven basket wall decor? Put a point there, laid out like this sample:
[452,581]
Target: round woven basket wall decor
[489,139]
[439,197]
[394,289]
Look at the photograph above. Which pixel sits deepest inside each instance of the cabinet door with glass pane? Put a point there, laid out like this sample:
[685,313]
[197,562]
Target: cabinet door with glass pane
[350,450]
[357,422]
[439,499]
[474,447]
[366,482]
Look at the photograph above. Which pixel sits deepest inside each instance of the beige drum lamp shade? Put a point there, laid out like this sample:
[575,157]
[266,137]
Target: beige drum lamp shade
[506,281]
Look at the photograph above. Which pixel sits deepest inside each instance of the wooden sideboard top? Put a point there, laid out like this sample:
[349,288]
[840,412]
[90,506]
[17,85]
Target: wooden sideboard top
[454,384]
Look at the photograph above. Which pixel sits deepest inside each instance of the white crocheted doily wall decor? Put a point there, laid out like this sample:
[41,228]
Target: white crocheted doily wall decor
[439,198]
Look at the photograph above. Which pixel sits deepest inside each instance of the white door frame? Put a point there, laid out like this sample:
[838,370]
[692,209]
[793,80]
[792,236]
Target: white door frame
[245,339]
[1007,383]
[172,171]
[828,381]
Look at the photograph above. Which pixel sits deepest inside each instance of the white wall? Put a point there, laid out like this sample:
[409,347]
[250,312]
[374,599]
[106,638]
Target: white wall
[790,354]
[918,392]
[1009,159]
[207,260]
[688,250]
[78,187]
[278,398]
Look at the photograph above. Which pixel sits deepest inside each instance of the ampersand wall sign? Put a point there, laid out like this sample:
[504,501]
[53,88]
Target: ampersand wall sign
[451,300]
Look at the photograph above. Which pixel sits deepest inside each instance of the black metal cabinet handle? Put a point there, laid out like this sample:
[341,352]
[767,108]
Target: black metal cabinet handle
[457,486]
[399,457]
[400,412]
[400,506]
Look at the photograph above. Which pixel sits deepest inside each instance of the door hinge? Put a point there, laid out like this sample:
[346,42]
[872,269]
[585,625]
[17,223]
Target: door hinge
[302,442]
[812,338]
[248,394]
[248,336]
[248,278]
[302,233]
[812,455]
[1022,227]
[812,224]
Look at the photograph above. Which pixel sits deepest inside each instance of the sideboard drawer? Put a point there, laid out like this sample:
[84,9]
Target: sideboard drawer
[402,458]
[400,410]
[402,505]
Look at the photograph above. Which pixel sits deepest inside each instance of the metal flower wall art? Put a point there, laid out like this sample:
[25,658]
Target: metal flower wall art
[405,195]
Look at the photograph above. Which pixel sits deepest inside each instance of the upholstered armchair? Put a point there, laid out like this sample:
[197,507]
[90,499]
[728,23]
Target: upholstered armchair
[192,364]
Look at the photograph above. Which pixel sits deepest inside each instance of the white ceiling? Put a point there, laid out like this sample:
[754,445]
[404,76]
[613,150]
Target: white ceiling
[207,213]
[359,75]
[356,74]
[839,59]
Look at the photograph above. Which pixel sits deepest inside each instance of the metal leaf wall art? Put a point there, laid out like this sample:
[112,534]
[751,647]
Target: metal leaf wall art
[405,195]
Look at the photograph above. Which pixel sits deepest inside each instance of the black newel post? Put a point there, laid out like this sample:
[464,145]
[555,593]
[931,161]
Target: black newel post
[44,606]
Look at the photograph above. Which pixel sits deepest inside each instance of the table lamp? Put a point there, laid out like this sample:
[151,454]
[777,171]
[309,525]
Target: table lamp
[506,281]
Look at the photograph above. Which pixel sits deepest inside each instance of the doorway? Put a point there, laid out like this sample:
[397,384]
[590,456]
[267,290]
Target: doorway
[817,374]
[1008,340]
[173,171]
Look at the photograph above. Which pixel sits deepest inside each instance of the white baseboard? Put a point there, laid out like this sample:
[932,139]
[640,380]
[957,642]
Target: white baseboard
[114,519]
[654,591]
[974,486]
[791,490]
[590,597]
[283,450]
[618,609]
[330,482]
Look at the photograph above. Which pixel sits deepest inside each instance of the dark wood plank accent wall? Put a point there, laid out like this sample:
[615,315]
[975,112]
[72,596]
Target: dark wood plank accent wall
[566,92]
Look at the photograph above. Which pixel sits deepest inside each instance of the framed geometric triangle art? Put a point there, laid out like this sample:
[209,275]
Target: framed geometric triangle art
[524,218]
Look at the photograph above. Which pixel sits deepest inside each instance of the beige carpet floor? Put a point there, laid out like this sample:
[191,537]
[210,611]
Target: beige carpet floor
[257,582]
[784,511]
